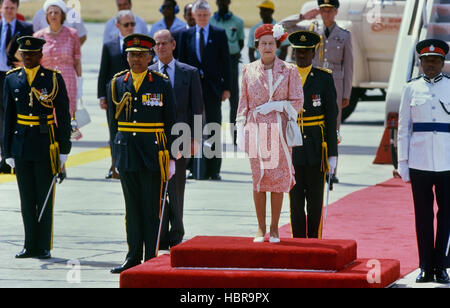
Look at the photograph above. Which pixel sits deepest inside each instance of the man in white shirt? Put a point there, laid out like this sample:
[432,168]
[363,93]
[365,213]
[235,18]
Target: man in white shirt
[187,88]
[114,60]
[424,157]
[111,31]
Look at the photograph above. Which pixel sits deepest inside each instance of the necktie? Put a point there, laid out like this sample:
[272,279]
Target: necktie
[165,67]
[327,32]
[202,42]
[8,35]
[124,54]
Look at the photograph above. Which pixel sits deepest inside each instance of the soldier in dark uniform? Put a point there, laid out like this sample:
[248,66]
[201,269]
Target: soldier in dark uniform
[142,116]
[335,52]
[318,154]
[33,143]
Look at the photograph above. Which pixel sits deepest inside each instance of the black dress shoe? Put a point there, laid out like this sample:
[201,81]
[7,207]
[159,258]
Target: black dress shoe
[129,263]
[26,253]
[216,177]
[109,175]
[425,276]
[44,254]
[335,179]
[442,276]
[112,174]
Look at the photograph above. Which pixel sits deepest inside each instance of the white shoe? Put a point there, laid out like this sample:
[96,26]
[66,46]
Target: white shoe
[258,239]
[274,239]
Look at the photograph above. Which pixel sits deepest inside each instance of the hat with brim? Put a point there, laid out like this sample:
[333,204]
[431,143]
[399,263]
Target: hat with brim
[304,39]
[267,4]
[58,3]
[30,43]
[432,47]
[138,42]
[328,3]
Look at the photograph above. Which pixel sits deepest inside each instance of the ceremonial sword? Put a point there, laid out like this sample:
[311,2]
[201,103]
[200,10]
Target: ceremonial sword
[330,187]
[162,216]
[48,196]
[448,246]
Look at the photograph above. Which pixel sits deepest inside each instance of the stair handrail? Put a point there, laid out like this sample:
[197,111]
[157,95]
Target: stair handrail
[405,61]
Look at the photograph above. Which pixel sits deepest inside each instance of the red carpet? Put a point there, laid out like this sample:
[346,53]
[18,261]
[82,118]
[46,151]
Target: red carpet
[241,252]
[157,273]
[380,219]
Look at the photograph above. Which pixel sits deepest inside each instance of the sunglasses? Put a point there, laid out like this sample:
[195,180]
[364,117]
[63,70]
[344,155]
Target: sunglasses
[129,24]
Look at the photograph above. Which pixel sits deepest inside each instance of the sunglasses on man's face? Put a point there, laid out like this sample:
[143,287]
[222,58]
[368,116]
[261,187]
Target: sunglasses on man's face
[129,24]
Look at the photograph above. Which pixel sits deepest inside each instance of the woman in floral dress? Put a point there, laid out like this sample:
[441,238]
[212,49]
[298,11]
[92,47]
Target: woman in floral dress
[62,50]
[271,96]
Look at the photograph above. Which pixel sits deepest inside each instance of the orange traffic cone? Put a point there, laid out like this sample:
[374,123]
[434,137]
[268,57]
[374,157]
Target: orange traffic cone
[383,155]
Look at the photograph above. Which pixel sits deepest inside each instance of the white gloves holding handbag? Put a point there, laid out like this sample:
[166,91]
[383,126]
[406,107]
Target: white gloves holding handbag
[240,136]
[403,170]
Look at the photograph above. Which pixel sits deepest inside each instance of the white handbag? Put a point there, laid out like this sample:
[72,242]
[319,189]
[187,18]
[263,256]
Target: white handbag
[82,117]
[293,134]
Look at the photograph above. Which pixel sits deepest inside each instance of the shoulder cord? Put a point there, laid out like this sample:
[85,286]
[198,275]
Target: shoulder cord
[46,100]
[125,101]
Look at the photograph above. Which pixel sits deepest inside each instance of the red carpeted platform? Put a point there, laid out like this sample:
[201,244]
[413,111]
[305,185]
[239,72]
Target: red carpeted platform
[241,252]
[380,219]
[157,273]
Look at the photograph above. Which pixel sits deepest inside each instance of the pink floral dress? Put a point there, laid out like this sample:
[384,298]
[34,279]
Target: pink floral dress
[60,53]
[265,134]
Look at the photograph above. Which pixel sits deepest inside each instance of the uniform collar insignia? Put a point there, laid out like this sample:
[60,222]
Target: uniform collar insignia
[433,80]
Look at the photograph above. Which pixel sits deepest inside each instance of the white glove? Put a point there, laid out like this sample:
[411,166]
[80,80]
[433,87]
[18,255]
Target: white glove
[403,170]
[11,162]
[79,87]
[240,136]
[332,162]
[172,168]
[63,158]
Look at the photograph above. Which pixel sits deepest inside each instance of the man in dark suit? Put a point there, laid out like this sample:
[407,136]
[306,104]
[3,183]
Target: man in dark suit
[318,154]
[185,81]
[114,60]
[34,145]
[10,30]
[206,48]
[143,113]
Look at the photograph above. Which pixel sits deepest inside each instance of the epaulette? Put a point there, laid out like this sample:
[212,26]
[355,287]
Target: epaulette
[327,70]
[416,78]
[13,70]
[53,70]
[120,73]
[160,74]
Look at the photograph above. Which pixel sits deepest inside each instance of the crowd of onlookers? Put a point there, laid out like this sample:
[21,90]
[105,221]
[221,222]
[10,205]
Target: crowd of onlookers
[63,29]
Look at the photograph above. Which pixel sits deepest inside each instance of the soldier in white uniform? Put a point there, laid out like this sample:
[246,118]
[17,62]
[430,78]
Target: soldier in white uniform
[335,52]
[424,156]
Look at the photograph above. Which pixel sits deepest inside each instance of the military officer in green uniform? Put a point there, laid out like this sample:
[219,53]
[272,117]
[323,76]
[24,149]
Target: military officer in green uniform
[318,155]
[142,116]
[34,145]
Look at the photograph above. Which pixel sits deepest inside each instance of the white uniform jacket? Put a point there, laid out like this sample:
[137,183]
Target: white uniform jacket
[424,124]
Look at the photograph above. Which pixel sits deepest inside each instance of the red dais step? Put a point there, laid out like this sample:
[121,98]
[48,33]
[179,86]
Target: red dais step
[157,273]
[241,252]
